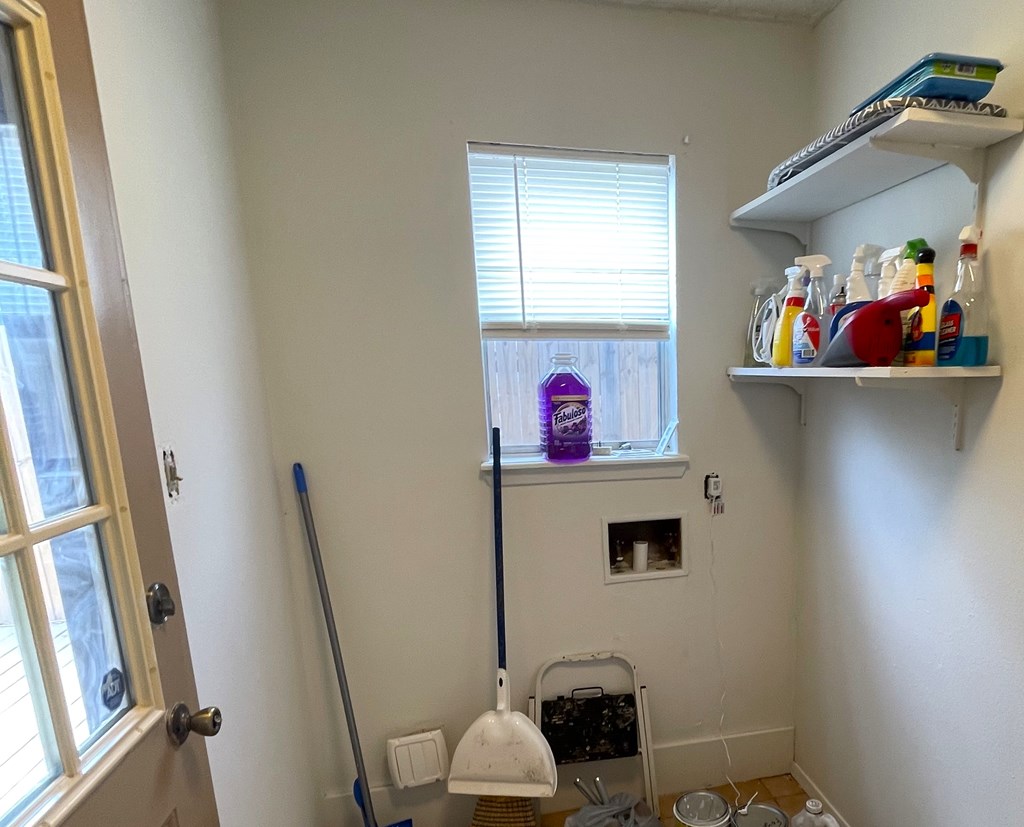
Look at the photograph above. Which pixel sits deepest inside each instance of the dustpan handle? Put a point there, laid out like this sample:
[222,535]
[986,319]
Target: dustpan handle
[499,556]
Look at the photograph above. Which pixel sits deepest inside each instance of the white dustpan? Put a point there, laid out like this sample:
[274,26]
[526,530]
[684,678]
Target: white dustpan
[503,753]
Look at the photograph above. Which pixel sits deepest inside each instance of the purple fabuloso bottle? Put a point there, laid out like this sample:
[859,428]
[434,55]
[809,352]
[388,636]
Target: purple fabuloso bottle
[563,397]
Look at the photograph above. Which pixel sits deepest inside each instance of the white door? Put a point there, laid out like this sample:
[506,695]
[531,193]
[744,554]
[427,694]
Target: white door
[86,677]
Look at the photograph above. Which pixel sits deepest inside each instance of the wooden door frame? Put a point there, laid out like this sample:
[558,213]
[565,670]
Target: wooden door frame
[173,778]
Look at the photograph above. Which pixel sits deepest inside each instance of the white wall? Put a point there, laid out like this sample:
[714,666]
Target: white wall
[910,632]
[350,122]
[159,79]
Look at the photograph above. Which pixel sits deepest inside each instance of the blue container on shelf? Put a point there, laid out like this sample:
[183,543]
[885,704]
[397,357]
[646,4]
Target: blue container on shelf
[941,75]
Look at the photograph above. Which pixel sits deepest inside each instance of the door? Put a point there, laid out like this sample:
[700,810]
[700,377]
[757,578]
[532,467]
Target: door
[86,677]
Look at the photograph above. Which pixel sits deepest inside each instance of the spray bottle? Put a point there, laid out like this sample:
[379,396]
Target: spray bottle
[857,292]
[919,349]
[837,295]
[810,327]
[889,264]
[796,295]
[963,330]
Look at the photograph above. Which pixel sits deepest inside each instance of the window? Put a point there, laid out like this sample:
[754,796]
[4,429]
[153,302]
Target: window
[76,676]
[575,253]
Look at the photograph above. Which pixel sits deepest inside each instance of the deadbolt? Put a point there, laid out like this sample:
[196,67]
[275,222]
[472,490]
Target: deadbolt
[160,604]
[180,722]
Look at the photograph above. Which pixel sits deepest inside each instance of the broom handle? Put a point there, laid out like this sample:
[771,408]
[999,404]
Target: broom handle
[499,557]
[369,819]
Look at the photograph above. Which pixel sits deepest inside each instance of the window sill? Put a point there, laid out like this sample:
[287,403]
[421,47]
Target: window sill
[529,469]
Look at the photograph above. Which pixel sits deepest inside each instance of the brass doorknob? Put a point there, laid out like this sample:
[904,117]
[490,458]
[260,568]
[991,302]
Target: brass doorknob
[180,722]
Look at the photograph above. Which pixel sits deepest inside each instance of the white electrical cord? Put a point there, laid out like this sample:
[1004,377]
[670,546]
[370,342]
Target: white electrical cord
[721,666]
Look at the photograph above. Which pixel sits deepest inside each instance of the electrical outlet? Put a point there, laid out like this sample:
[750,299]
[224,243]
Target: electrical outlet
[712,486]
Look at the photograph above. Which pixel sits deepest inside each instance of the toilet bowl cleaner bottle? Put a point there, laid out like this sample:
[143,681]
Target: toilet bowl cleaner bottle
[563,399]
[919,349]
[963,329]
[796,295]
[810,328]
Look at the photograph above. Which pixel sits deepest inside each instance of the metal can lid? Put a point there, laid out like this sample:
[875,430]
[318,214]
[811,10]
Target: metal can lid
[760,815]
[702,808]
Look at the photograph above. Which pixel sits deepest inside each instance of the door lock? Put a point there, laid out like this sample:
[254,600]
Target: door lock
[160,604]
[180,722]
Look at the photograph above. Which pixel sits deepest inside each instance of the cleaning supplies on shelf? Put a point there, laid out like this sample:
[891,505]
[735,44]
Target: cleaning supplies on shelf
[813,815]
[963,329]
[889,266]
[857,292]
[873,334]
[796,295]
[563,398]
[763,291]
[810,328]
[763,335]
[919,348]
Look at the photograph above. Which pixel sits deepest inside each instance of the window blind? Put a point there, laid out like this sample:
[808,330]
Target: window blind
[571,244]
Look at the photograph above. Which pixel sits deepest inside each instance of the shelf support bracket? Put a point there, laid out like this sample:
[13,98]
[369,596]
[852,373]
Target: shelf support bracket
[970,161]
[797,388]
[955,391]
[800,230]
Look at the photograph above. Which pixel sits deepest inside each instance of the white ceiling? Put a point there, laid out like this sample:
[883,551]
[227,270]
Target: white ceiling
[789,11]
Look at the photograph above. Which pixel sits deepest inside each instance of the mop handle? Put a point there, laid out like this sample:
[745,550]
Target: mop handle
[369,819]
[499,557]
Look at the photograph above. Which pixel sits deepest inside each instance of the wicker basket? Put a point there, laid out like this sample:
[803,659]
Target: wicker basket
[500,811]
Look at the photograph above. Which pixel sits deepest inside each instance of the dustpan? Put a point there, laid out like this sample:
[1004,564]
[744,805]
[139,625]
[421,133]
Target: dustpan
[503,753]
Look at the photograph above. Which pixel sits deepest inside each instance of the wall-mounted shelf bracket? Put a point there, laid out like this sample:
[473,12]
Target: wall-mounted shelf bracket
[949,382]
[954,391]
[800,230]
[971,161]
[796,385]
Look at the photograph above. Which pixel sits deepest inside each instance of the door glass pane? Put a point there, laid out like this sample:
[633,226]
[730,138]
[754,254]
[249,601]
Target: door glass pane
[24,763]
[20,237]
[84,631]
[37,400]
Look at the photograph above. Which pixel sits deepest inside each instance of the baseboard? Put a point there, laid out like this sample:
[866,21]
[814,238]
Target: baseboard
[701,762]
[814,791]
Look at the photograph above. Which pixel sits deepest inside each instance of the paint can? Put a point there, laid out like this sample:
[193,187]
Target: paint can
[760,815]
[702,808]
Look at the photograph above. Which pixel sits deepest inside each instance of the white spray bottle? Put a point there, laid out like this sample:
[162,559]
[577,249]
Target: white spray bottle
[810,327]
[857,292]
[889,262]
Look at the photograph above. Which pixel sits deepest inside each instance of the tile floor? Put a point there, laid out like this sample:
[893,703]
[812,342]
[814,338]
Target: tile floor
[781,790]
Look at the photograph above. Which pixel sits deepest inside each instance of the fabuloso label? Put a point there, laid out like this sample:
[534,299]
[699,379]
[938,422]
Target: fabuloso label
[569,416]
[806,339]
[951,330]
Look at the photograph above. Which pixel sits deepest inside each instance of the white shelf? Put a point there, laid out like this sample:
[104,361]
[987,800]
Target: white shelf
[951,382]
[862,376]
[910,144]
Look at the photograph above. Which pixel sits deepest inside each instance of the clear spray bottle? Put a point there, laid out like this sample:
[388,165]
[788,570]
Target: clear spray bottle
[810,328]
[963,330]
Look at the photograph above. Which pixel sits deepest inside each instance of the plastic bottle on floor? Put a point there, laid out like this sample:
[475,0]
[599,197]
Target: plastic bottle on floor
[812,815]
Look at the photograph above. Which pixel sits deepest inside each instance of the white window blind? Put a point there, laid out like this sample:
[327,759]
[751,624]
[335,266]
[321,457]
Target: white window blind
[571,244]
